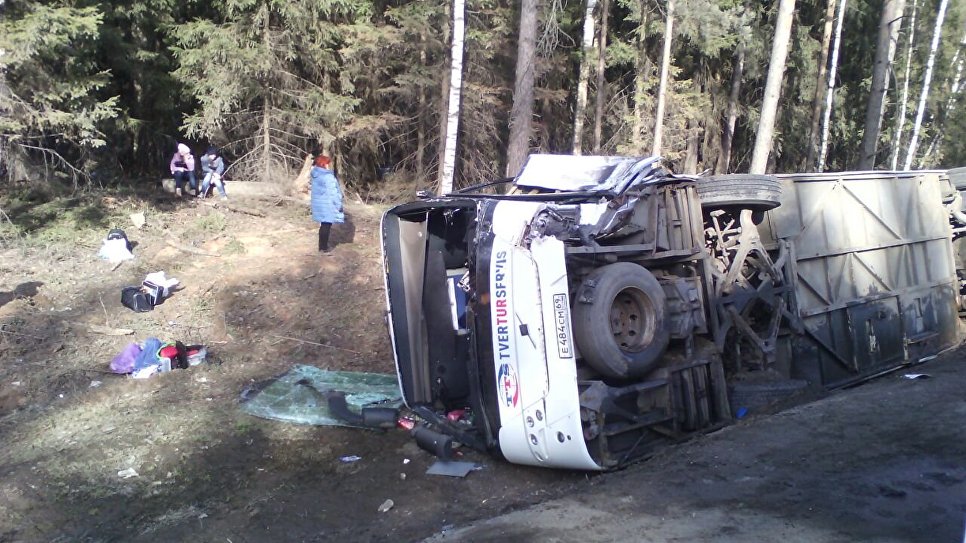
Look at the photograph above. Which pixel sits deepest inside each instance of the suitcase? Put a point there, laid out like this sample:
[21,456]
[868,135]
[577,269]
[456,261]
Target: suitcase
[136,299]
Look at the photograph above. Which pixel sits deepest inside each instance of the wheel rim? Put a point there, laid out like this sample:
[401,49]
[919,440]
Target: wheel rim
[632,320]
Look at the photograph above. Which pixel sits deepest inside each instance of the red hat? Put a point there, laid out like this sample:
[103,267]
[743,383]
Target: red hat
[322,161]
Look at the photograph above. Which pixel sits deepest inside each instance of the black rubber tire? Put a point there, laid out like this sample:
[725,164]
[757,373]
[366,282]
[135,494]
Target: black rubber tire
[748,191]
[620,320]
[957,176]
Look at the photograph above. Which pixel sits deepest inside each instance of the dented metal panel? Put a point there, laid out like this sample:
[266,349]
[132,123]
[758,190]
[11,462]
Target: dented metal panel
[873,270]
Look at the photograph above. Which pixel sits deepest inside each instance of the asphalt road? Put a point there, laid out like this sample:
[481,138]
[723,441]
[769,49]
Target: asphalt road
[885,461]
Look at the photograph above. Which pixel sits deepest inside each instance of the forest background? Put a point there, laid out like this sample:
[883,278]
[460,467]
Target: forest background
[98,92]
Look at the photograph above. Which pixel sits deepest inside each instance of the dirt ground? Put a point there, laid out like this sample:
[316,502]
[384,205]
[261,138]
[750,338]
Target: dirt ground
[263,300]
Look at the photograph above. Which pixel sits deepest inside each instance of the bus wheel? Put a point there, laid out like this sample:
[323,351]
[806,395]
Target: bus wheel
[620,320]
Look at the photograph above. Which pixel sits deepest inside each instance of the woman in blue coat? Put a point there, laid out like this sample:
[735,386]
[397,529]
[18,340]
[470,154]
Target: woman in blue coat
[326,200]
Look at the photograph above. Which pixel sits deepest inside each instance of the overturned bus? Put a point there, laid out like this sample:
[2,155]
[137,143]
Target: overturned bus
[603,306]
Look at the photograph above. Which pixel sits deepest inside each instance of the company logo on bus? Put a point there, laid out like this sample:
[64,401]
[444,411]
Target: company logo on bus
[506,382]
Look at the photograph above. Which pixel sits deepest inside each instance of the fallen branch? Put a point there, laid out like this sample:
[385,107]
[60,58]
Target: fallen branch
[237,209]
[118,265]
[182,247]
[107,331]
[316,343]
[25,335]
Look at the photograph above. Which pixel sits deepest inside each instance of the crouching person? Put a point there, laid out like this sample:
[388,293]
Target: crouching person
[212,167]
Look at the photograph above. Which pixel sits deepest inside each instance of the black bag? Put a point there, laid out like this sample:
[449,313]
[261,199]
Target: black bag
[136,299]
[156,293]
[117,233]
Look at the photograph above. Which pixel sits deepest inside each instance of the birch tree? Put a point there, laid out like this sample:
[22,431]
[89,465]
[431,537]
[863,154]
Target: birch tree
[821,84]
[904,98]
[586,47]
[448,160]
[955,86]
[522,110]
[924,95]
[662,87]
[773,84]
[830,88]
[889,23]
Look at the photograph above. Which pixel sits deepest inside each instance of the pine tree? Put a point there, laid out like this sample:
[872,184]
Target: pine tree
[268,80]
[49,105]
[889,24]
[522,110]
[776,70]
[584,76]
[601,65]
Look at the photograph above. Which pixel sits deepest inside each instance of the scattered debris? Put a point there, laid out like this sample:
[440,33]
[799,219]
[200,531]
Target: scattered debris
[287,400]
[151,356]
[95,384]
[115,248]
[154,290]
[916,376]
[138,219]
[405,461]
[349,458]
[451,468]
[386,505]
[127,473]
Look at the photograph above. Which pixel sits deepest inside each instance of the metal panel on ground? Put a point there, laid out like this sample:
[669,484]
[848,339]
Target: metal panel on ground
[873,270]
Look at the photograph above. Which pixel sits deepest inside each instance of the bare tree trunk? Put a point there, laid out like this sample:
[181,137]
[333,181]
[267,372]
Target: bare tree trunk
[820,84]
[662,88]
[727,137]
[904,99]
[830,88]
[601,65]
[448,162]
[773,87]
[691,151]
[522,110]
[937,32]
[889,23]
[586,46]
[642,67]
[266,113]
[420,118]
